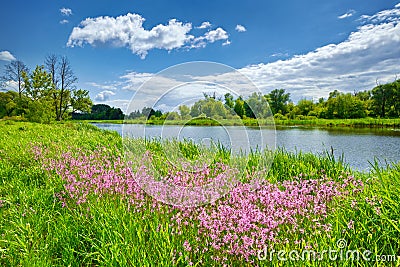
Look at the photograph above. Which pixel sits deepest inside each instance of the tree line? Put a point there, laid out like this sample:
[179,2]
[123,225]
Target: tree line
[49,93]
[383,101]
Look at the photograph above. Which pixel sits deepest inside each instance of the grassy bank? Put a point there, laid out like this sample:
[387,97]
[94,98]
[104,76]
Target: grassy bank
[359,123]
[68,199]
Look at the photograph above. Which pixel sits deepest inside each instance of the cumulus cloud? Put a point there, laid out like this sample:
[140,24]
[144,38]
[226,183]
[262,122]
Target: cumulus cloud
[240,28]
[6,56]
[64,21]
[369,53]
[227,42]
[348,14]
[128,31]
[66,11]
[204,25]
[104,95]
[210,37]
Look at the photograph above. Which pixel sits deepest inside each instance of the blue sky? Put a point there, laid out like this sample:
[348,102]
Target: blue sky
[306,47]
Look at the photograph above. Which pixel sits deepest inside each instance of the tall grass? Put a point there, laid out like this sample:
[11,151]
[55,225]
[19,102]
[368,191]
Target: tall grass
[41,223]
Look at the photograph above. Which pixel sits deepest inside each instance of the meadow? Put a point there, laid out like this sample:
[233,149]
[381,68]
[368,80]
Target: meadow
[68,197]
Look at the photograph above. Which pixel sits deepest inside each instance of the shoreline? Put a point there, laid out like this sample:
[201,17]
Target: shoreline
[318,123]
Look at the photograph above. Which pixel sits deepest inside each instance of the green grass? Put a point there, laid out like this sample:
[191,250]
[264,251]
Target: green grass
[35,230]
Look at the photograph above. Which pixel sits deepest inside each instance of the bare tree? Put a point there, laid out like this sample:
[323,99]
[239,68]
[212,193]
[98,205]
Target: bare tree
[64,81]
[51,64]
[13,72]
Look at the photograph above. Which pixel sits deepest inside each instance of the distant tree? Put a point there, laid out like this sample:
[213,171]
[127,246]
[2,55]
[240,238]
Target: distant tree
[278,100]
[148,112]
[385,99]
[304,107]
[101,112]
[344,106]
[196,109]
[134,115]
[184,111]
[256,106]
[229,100]
[13,73]
[172,116]
[239,107]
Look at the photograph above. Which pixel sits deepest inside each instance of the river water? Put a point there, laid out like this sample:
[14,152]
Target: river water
[357,146]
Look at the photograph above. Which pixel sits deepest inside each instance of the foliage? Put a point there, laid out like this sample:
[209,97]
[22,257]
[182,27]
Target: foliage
[100,112]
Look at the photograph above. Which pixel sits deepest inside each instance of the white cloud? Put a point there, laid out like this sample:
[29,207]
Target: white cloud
[397,6]
[104,95]
[215,35]
[210,37]
[240,28]
[389,15]
[127,31]
[227,42]
[113,86]
[6,56]
[348,14]
[66,11]
[64,21]
[369,53]
[279,54]
[204,25]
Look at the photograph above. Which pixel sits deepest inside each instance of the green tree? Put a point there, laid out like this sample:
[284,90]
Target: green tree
[239,107]
[39,89]
[229,100]
[278,100]
[80,101]
[304,107]
[184,111]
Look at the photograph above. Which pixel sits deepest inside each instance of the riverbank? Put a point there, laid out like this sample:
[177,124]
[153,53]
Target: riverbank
[356,123]
[68,198]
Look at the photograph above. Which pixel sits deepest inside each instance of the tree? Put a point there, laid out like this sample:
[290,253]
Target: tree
[13,73]
[80,101]
[148,112]
[380,96]
[38,85]
[239,107]
[278,100]
[256,106]
[184,111]
[304,107]
[39,90]
[229,100]
[8,103]
[64,81]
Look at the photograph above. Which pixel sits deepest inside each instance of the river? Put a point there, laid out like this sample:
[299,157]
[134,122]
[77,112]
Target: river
[358,146]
